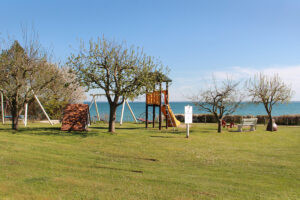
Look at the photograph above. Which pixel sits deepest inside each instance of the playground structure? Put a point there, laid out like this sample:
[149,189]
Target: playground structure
[93,101]
[25,110]
[154,99]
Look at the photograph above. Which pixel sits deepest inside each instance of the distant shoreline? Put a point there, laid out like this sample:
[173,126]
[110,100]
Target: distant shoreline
[248,108]
[177,102]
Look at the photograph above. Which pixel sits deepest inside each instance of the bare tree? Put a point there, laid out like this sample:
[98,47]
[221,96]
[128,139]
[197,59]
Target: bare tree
[23,72]
[219,99]
[268,90]
[119,71]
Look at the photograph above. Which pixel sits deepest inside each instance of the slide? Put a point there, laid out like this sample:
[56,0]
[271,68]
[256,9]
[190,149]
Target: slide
[172,121]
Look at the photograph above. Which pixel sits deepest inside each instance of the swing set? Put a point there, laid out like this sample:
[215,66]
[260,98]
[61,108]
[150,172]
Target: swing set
[93,101]
[26,110]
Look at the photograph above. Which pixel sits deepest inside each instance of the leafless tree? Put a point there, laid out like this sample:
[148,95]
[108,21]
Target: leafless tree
[268,90]
[219,99]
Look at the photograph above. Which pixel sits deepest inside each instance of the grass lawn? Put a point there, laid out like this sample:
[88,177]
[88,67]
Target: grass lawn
[41,162]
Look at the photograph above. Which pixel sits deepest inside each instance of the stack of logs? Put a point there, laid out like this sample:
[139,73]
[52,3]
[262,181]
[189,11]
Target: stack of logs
[76,117]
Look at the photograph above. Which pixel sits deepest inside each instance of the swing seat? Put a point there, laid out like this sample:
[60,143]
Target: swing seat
[10,117]
[143,120]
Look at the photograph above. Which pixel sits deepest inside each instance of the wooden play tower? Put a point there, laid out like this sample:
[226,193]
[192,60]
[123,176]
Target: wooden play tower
[154,99]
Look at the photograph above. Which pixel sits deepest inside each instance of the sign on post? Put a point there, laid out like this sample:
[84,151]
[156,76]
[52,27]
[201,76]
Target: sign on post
[188,118]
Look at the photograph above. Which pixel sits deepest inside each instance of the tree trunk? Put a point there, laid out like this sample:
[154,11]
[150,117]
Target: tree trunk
[112,117]
[15,117]
[270,123]
[219,126]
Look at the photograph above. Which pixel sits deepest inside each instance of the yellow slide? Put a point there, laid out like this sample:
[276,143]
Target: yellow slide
[172,121]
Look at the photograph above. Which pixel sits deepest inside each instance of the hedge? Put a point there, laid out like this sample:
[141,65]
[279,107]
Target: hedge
[261,119]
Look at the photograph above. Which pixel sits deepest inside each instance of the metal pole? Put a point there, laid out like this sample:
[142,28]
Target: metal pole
[131,111]
[187,130]
[122,113]
[37,99]
[26,111]
[98,116]
[2,108]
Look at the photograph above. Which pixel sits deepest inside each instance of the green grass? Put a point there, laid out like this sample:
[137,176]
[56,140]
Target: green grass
[41,162]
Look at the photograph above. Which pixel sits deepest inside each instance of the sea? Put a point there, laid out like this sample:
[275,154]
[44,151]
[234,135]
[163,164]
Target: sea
[139,109]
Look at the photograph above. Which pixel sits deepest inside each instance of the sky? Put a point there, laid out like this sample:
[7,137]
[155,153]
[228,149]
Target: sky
[195,39]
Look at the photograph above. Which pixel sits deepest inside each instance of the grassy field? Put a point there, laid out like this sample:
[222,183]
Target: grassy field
[41,162]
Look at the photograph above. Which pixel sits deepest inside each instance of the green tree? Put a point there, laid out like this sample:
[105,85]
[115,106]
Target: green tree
[23,72]
[64,90]
[119,71]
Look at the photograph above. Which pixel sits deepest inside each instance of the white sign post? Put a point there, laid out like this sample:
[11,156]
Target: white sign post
[188,118]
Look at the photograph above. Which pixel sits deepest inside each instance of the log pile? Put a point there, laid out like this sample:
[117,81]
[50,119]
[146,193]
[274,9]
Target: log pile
[76,117]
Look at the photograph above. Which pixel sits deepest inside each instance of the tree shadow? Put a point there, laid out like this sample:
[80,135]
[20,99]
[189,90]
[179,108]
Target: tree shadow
[117,128]
[129,128]
[162,136]
[101,128]
[208,131]
[54,131]
[236,131]
[118,169]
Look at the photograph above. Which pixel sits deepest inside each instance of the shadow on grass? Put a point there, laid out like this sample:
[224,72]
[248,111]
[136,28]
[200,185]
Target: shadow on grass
[117,128]
[244,131]
[50,131]
[136,158]
[161,136]
[213,131]
[118,169]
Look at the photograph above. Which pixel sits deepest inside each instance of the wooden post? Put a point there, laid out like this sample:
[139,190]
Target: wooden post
[2,108]
[159,117]
[131,111]
[153,118]
[96,106]
[122,113]
[146,115]
[89,119]
[92,102]
[167,104]
[26,111]
[37,99]
[187,130]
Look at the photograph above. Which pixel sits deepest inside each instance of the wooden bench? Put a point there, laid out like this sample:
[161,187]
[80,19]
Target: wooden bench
[248,122]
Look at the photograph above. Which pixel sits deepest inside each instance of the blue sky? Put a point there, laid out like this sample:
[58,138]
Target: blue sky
[194,38]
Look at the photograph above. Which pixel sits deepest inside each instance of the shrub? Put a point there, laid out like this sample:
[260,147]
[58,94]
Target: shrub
[261,119]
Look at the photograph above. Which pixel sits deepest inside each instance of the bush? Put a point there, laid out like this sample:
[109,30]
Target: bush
[261,119]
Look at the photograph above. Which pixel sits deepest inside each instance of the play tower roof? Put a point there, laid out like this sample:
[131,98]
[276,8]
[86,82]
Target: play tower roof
[160,77]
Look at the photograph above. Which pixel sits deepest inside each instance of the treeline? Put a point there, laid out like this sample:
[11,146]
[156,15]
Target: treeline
[27,72]
[261,119]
